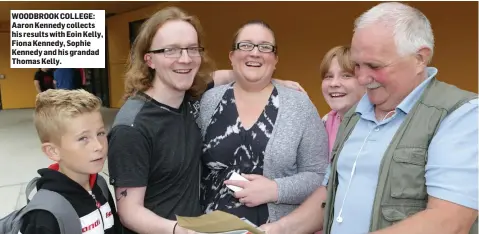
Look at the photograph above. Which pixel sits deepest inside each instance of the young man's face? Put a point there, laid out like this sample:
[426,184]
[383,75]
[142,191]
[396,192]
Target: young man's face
[83,147]
[176,71]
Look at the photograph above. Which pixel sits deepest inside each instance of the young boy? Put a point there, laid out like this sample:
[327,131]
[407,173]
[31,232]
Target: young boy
[72,133]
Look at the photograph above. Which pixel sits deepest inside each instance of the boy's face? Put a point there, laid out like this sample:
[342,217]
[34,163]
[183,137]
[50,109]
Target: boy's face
[83,146]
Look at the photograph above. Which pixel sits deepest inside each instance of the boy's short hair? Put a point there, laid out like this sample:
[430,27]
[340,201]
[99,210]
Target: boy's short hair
[343,55]
[55,107]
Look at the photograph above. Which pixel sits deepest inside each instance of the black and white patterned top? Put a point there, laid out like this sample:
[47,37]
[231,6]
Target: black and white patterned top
[229,147]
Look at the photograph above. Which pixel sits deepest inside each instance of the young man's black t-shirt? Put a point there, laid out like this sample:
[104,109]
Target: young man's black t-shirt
[45,79]
[159,147]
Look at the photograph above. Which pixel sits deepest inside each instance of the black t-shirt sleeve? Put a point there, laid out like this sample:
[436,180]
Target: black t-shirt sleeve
[38,76]
[118,227]
[39,222]
[128,157]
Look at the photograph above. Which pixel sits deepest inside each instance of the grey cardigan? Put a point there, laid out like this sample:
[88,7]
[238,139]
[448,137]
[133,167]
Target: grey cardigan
[296,156]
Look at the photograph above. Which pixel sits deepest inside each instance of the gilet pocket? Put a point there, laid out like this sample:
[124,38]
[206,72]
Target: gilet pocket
[408,174]
[395,214]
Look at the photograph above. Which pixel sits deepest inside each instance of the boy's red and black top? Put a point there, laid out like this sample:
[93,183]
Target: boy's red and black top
[97,214]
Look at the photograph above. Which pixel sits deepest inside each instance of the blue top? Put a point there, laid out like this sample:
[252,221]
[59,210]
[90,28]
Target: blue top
[451,169]
[64,78]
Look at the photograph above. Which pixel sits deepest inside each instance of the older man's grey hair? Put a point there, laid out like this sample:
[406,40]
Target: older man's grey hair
[411,28]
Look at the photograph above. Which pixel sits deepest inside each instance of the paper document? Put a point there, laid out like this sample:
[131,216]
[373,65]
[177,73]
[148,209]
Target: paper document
[217,222]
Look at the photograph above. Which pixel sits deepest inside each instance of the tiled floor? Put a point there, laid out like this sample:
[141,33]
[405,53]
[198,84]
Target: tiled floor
[21,156]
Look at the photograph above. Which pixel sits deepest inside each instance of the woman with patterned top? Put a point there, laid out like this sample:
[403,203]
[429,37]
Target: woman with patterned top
[270,134]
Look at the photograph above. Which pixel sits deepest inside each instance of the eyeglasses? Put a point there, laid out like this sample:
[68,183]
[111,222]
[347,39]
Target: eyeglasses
[248,46]
[176,52]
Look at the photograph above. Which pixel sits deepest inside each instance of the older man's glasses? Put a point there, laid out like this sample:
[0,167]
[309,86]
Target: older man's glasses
[248,46]
[177,52]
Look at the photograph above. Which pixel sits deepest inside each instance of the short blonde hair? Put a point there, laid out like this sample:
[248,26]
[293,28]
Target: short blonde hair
[55,107]
[343,54]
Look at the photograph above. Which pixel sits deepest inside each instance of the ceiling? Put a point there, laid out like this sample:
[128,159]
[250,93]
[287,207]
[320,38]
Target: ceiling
[111,7]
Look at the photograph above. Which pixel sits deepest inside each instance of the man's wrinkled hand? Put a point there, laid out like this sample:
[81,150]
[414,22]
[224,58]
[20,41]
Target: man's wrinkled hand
[274,228]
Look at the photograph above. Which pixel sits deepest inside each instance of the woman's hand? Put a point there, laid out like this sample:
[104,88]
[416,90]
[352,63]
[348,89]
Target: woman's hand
[258,190]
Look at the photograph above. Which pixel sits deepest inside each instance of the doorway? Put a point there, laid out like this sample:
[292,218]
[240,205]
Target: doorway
[96,79]
[97,84]
[1,106]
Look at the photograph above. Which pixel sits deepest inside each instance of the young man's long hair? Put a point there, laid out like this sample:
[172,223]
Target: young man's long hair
[139,77]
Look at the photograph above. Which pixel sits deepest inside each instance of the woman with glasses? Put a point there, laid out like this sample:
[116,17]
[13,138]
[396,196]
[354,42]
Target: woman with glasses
[155,143]
[271,135]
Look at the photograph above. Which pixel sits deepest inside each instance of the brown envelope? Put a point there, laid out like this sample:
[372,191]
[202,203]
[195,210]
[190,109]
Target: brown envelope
[216,222]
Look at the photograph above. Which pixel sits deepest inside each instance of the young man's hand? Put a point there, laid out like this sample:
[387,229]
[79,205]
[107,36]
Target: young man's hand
[181,230]
[222,77]
[291,84]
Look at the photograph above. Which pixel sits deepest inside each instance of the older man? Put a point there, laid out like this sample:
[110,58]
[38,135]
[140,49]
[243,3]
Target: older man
[405,159]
